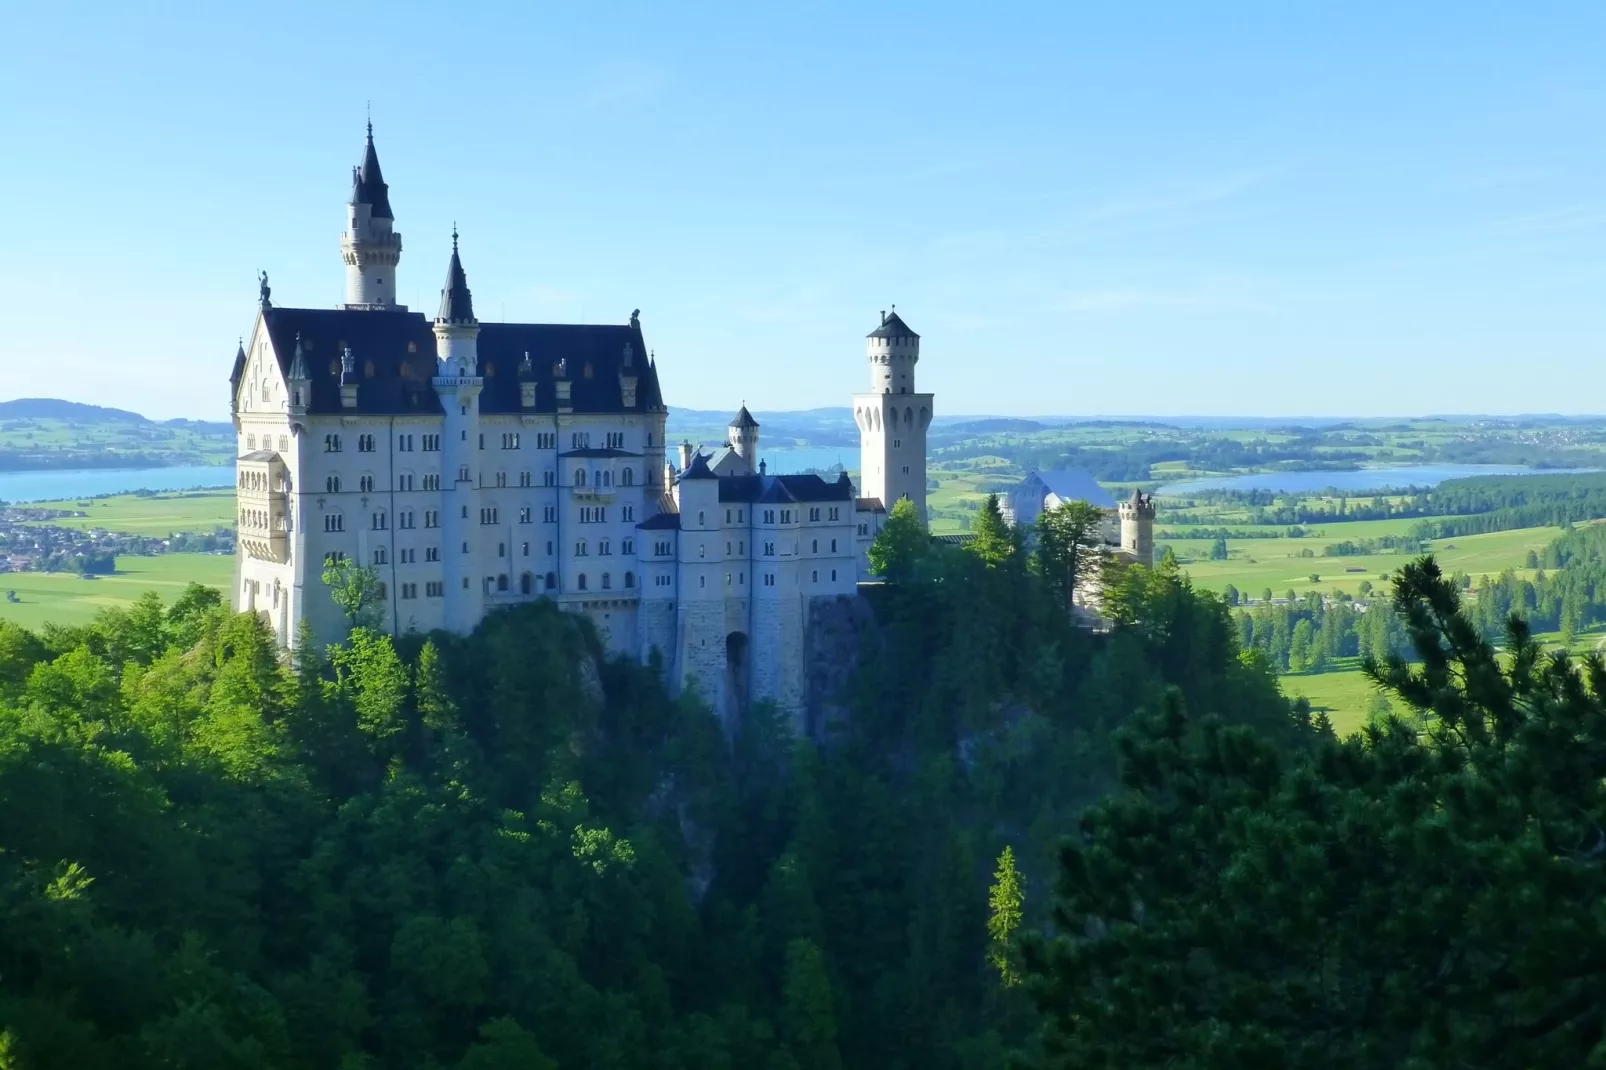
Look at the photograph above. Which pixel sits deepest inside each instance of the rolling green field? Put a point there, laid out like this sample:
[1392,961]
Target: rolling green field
[1255,564]
[65,598]
[154,514]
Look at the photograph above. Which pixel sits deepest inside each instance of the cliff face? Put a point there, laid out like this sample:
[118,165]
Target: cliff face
[835,633]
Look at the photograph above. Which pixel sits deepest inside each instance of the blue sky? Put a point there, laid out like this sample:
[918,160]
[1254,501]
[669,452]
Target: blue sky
[1276,209]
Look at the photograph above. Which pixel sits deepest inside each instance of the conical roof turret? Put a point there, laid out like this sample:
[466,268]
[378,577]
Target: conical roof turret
[298,363]
[368,182]
[892,326]
[457,304]
[744,419]
[239,365]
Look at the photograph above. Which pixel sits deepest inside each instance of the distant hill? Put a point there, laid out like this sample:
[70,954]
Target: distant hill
[79,413]
[57,409]
[1001,423]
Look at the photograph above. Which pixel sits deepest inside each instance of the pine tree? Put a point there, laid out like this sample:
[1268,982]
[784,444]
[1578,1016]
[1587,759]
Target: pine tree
[1006,899]
[994,542]
[900,543]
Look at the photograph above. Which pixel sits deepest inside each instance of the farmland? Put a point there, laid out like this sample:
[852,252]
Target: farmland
[66,598]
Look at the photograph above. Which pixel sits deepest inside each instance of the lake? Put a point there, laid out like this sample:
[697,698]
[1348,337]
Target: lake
[1359,480]
[91,482]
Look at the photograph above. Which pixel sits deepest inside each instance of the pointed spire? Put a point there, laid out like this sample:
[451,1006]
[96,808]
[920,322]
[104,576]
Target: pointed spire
[298,363]
[239,365]
[457,304]
[744,419]
[368,182]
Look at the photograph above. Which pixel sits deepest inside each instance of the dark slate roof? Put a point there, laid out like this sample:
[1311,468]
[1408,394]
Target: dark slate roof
[239,366]
[1076,485]
[401,381]
[744,419]
[698,469]
[368,184]
[261,455]
[892,327]
[598,451]
[789,488]
[298,362]
[868,505]
[457,304]
[661,522]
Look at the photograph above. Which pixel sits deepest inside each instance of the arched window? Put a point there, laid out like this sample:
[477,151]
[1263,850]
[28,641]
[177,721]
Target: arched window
[551,581]
[607,581]
[501,582]
[607,478]
[630,579]
[526,583]
[332,484]
[525,547]
[628,477]
[581,581]
[909,417]
[700,520]
[579,477]
[501,549]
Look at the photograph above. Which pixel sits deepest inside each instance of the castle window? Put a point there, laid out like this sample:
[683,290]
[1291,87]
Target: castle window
[524,479]
[334,557]
[465,547]
[434,588]
[814,547]
[432,443]
[730,579]
[607,581]
[814,576]
[331,443]
[702,581]
[524,514]
[580,548]
[607,478]
[627,478]
[769,549]
[702,550]
[581,581]
[769,516]
[630,579]
[701,518]
[406,368]
[579,477]
[833,575]
[379,521]
[284,443]
[482,440]
[549,478]
[334,522]
[526,583]
[412,347]
[814,516]
[331,484]
[549,514]
[250,442]
[501,549]
[490,373]
[404,481]
[616,440]
[501,582]
[432,553]
[833,546]
[365,443]
[501,479]
[604,546]
[836,514]
[379,556]
[432,518]
[551,581]
[365,484]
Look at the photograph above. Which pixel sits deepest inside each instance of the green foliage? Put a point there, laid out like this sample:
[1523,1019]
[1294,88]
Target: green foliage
[995,542]
[355,588]
[1068,554]
[1007,896]
[901,542]
[1210,917]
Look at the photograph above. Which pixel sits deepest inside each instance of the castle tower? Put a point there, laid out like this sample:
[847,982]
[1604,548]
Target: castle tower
[743,435]
[892,418]
[1137,527]
[458,383]
[370,246]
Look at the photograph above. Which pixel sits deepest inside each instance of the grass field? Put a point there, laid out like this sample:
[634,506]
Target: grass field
[151,514]
[1255,564]
[65,598]
[1343,694]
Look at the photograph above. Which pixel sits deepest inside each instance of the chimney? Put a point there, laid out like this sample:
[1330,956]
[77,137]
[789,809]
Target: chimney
[565,387]
[685,455]
[348,380]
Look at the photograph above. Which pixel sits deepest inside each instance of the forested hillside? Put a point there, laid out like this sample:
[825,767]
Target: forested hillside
[507,851]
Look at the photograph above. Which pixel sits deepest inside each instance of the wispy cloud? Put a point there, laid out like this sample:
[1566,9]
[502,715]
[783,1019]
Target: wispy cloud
[1585,215]
[1167,201]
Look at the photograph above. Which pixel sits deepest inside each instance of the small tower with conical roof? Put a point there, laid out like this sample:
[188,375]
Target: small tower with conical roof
[1137,527]
[743,435]
[893,418]
[458,384]
[371,245]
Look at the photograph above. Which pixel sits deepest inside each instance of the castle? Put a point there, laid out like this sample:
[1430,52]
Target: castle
[478,465]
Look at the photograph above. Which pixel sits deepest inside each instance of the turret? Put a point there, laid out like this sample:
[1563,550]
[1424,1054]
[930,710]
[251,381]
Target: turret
[458,384]
[894,350]
[371,246]
[1137,527]
[743,435]
[300,382]
[235,376]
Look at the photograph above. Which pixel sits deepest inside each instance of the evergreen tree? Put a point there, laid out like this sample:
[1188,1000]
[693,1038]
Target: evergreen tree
[995,542]
[901,542]
[1007,896]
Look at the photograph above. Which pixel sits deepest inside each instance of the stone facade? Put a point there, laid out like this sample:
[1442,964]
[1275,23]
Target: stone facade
[477,465]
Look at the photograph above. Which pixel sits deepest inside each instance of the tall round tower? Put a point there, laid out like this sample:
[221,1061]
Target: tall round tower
[371,246]
[457,382]
[1137,527]
[743,435]
[893,418]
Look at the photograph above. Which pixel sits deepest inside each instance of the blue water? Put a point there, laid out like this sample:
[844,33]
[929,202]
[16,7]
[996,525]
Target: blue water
[1361,480]
[789,462]
[88,482]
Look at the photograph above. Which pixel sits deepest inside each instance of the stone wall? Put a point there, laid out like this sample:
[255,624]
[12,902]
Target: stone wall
[836,632]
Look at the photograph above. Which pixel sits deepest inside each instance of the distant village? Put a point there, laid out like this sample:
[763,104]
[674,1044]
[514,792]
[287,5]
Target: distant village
[27,545]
